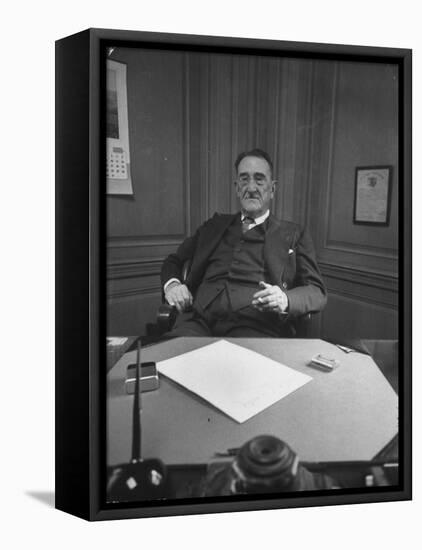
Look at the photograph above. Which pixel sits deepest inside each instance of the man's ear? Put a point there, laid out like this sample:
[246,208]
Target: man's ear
[274,185]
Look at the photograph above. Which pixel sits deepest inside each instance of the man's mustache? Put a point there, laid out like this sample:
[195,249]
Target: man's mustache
[248,195]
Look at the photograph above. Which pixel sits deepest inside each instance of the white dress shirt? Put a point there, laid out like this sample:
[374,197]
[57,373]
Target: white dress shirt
[257,221]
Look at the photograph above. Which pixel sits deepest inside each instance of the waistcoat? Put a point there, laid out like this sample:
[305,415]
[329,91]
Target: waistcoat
[237,264]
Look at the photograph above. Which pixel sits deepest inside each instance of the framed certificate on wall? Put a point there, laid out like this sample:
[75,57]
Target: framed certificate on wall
[372,195]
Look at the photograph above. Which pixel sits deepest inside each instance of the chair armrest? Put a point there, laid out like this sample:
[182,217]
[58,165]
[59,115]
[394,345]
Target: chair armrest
[166,316]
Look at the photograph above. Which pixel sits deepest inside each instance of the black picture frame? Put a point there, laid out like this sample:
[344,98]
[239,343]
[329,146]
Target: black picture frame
[367,208]
[80,271]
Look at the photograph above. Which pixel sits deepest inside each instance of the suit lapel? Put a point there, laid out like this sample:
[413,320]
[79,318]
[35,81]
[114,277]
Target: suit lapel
[213,233]
[278,239]
[208,240]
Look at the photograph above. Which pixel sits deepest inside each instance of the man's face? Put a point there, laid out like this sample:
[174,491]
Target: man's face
[254,186]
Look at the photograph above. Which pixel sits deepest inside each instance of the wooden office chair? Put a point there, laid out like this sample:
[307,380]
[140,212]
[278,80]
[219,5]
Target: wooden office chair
[166,314]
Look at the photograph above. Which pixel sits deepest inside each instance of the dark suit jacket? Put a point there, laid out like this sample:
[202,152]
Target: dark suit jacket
[288,254]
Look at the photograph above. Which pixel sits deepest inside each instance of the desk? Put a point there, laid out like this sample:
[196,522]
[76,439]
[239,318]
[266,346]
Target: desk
[348,414]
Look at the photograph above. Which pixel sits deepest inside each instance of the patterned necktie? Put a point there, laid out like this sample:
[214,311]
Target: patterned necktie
[247,223]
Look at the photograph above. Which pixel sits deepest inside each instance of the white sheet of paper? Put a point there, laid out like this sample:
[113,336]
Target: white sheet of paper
[239,382]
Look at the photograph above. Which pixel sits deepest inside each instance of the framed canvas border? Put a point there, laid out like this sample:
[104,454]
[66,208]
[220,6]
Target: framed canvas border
[80,271]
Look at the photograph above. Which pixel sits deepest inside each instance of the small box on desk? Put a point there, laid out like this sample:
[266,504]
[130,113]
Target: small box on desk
[148,377]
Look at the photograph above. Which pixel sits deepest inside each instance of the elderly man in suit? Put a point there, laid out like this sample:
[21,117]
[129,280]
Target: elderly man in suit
[251,274]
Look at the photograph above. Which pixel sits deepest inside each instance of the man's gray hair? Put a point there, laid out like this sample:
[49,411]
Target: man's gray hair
[259,153]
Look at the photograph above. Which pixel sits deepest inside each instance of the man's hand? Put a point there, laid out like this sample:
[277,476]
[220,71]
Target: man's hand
[270,298]
[178,295]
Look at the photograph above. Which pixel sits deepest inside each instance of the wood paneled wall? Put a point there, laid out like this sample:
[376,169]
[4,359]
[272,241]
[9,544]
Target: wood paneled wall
[245,102]
[354,123]
[145,227]
[191,114]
